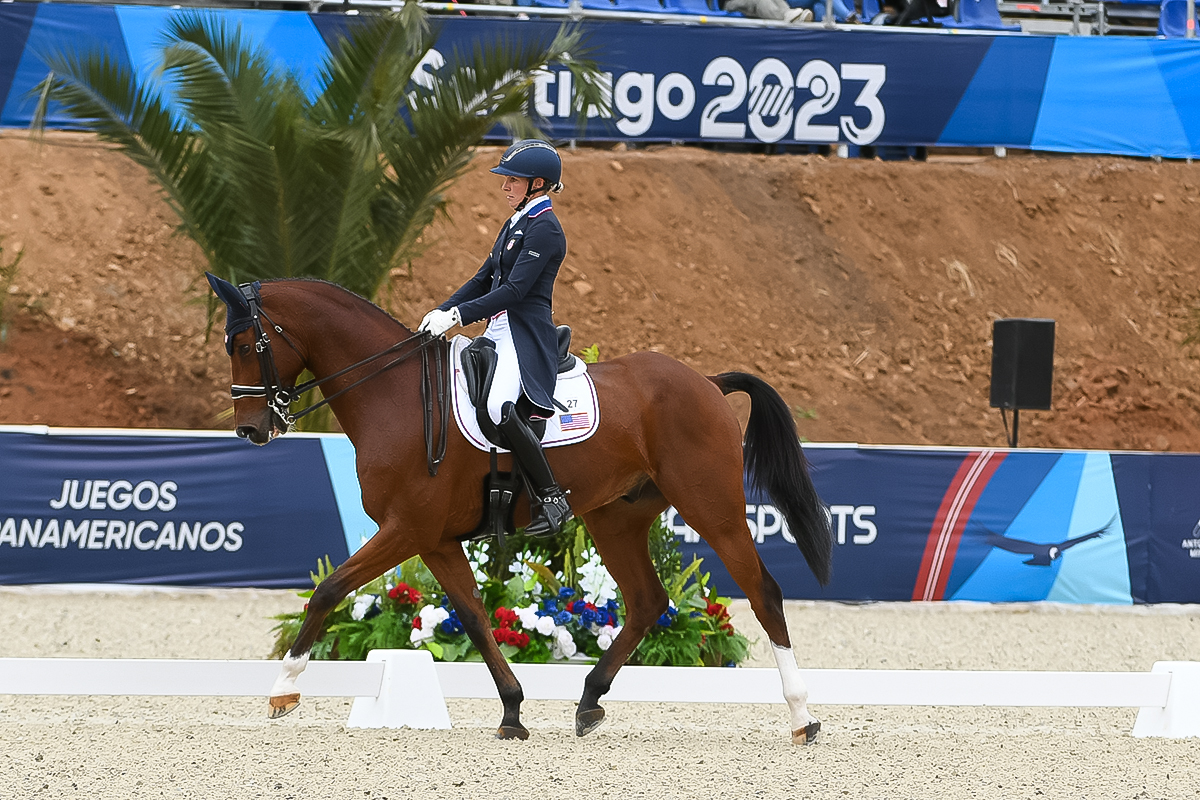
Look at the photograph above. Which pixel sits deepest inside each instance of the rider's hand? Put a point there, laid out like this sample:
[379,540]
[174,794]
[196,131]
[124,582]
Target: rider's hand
[437,322]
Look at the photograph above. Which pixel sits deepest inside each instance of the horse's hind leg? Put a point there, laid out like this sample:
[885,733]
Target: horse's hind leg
[375,557]
[715,507]
[450,566]
[619,531]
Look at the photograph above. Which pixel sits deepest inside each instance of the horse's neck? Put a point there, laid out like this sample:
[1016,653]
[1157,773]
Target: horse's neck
[338,330]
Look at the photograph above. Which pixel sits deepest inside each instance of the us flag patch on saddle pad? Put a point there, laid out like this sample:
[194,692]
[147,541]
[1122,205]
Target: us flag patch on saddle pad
[573,422]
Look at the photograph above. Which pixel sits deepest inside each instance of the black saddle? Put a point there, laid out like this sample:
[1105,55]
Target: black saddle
[479,368]
[501,489]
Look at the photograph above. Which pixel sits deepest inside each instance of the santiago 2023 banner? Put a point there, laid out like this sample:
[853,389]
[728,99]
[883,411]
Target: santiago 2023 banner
[1111,94]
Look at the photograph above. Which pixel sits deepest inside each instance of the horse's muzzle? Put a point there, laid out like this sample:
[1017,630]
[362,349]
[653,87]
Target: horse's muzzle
[254,434]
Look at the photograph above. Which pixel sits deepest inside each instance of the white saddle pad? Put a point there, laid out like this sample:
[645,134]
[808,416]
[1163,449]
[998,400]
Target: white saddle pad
[574,392]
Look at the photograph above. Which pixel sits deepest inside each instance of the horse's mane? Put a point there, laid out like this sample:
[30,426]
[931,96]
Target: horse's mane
[343,289]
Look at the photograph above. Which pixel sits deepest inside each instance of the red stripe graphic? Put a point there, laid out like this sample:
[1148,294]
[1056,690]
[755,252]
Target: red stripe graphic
[957,504]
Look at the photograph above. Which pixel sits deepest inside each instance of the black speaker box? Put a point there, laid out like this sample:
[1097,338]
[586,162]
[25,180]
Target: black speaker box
[1022,363]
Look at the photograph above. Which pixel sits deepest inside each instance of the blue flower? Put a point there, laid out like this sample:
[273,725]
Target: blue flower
[562,617]
[578,607]
[665,620]
[612,605]
[565,593]
[695,614]
[452,624]
[587,617]
[549,608]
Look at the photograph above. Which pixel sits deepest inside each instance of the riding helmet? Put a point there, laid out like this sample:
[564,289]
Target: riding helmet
[531,158]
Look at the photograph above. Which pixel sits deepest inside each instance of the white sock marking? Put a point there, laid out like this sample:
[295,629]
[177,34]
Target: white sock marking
[286,682]
[794,690]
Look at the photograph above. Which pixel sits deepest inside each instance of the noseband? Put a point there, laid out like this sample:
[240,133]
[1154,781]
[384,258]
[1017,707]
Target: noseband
[280,398]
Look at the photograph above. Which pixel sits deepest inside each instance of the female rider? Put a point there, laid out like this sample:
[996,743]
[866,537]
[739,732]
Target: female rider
[513,291]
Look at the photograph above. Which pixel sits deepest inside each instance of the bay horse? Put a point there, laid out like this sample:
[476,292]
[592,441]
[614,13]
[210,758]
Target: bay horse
[667,437]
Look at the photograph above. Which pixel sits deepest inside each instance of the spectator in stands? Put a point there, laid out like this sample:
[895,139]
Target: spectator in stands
[768,9]
[843,10]
[913,11]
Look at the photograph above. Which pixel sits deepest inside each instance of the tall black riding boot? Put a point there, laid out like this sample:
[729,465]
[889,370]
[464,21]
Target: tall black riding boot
[551,509]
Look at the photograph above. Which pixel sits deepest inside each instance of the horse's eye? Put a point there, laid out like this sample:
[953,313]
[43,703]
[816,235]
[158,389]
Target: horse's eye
[243,349]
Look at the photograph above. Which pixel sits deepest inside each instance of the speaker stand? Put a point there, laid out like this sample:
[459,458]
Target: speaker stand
[1012,439]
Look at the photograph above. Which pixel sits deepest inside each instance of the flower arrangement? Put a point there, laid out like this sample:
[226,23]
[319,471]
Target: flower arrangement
[550,601]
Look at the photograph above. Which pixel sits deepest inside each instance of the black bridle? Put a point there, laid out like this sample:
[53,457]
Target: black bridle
[280,398]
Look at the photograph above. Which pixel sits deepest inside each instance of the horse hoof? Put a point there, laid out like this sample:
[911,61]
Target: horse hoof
[512,732]
[807,734]
[283,704]
[588,721]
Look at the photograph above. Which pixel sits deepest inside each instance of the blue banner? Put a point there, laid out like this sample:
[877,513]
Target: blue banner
[988,525]
[1132,96]
[908,523]
[180,509]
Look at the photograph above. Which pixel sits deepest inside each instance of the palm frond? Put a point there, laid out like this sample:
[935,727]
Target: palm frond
[272,183]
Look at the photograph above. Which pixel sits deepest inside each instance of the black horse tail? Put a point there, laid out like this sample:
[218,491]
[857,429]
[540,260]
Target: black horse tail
[777,466]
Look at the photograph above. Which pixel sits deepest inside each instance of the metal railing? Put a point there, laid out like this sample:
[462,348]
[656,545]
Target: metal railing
[1086,17]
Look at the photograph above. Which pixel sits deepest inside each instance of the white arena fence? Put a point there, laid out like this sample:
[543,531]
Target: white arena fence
[406,688]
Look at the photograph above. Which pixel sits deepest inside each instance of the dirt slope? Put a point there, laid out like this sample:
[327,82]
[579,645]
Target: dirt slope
[864,291]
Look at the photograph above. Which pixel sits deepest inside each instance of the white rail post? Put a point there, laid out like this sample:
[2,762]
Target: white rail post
[409,697]
[1180,718]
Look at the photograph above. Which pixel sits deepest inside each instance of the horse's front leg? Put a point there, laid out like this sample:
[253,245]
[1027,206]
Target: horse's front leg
[450,566]
[376,557]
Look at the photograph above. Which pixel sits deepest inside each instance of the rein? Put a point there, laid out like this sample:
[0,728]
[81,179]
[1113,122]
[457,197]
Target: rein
[279,398]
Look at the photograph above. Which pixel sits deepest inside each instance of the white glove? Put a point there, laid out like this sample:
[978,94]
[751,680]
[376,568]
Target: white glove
[437,322]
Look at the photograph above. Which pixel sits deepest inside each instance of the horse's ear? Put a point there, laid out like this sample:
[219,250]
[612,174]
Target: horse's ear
[228,294]
[237,310]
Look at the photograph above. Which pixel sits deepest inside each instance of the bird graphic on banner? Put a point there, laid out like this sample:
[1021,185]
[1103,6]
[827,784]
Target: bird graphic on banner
[1043,554]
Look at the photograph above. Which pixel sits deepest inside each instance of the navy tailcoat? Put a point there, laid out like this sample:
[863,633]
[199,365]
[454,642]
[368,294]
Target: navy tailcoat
[518,277]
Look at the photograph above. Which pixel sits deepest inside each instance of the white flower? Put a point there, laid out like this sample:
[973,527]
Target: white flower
[363,604]
[521,569]
[420,635]
[432,616]
[544,625]
[528,617]
[477,556]
[597,585]
[564,645]
[605,636]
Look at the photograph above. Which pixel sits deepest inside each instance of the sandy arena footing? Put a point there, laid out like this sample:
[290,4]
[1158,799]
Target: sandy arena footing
[117,747]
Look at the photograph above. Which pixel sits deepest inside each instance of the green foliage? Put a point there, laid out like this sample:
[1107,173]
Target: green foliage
[590,355]
[664,552]
[8,273]
[695,630]
[338,184]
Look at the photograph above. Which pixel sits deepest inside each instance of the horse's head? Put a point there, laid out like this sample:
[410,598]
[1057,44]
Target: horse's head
[263,374]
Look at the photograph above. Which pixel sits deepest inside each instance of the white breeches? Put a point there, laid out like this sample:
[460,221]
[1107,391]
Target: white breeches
[506,385]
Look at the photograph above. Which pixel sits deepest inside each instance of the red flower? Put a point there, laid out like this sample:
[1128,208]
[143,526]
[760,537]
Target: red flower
[507,635]
[404,594]
[505,617]
[417,622]
[717,610]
